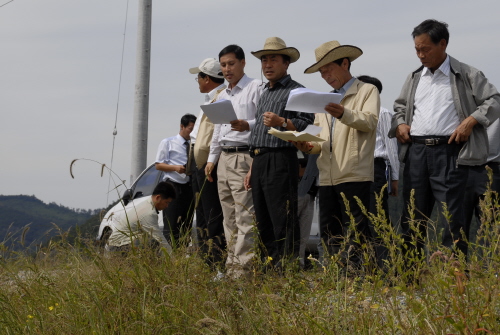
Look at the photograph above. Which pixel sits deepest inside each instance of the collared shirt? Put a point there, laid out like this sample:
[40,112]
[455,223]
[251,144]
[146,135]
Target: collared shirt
[342,91]
[435,112]
[274,100]
[244,96]
[173,151]
[131,222]
[208,98]
[385,147]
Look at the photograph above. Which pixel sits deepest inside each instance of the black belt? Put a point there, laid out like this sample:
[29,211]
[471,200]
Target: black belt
[260,151]
[430,140]
[236,149]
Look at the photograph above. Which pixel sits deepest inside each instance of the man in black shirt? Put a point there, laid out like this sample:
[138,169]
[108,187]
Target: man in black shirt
[274,173]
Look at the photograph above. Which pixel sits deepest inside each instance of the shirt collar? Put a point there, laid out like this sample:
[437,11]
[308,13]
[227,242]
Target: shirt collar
[240,85]
[153,204]
[444,68]
[283,81]
[210,95]
[180,139]
[343,90]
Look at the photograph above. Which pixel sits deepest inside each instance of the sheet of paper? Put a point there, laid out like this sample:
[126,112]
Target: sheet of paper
[308,101]
[312,129]
[220,112]
[295,135]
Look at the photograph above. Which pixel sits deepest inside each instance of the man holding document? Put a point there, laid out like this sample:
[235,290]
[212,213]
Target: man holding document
[230,148]
[209,225]
[346,156]
[274,174]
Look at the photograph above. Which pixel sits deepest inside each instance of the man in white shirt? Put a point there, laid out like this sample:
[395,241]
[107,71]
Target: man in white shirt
[386,163]
[440,120]
[385,169]
[138,221]
[230,149]
[172,158]
[209,217]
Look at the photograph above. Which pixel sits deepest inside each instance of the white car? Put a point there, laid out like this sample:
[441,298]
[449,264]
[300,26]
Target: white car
[144,186]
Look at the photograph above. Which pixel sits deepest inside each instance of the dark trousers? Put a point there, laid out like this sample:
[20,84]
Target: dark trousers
[431,170]
[177,216]
[379,181]
[334,222]
[474,192]
[209,227]
[274,192]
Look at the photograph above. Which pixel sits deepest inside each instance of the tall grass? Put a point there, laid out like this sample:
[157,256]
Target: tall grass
[73,289]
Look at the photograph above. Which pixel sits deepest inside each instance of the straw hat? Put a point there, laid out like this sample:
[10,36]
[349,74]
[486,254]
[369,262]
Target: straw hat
[276,46]
[331,51]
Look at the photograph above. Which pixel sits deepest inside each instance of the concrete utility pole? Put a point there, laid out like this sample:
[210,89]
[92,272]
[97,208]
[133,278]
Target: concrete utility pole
[141,105]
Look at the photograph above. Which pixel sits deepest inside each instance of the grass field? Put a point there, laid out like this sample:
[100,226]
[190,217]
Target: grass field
[74,289]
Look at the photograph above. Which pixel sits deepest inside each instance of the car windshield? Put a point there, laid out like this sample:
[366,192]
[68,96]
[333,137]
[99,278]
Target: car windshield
[147,182]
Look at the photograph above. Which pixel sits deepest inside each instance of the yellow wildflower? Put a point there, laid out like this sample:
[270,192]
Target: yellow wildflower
[51,308]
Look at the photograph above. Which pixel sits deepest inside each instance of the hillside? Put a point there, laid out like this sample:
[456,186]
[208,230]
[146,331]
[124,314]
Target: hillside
[20,211]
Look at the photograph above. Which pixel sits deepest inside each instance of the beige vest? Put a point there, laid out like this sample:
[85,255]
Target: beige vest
[204,138]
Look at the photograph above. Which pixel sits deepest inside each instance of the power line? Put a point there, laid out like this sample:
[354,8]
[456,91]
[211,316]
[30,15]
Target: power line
[6,3]
[115,132]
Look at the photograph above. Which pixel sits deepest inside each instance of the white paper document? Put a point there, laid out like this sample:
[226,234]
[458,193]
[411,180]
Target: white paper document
[307,135]
[308,101]
[220,112]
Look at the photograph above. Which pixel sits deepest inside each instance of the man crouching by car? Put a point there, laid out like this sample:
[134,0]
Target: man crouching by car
[138,221]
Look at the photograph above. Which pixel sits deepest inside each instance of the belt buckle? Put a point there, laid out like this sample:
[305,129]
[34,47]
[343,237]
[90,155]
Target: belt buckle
[256,152]
[430,141]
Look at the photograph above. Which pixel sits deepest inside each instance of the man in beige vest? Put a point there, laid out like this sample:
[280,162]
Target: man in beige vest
[208,208]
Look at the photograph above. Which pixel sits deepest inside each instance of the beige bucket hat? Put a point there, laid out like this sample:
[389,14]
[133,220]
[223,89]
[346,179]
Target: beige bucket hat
[276,46]
[331,51]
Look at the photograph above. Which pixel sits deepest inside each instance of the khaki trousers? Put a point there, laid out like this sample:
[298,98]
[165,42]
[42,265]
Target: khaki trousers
[237,207]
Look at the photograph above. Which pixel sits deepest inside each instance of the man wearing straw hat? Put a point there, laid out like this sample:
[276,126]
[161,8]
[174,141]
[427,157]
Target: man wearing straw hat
[346,156]
[208,209]
[440,120]
[230,148]
[274,173]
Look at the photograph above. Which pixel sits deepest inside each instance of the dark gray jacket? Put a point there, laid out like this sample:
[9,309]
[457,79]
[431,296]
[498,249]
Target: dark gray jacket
[473,95]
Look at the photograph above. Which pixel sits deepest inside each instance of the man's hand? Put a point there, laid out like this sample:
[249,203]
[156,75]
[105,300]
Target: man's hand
[239,125]
[246,181]
[335,110]
[208,171]
[403,133]
[303,146]
[180,168]
[394,188]
[463,131]
[272,120]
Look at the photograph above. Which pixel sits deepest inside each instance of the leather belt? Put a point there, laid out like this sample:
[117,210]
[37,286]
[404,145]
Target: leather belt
[430,140]
[236,149]
[260,151]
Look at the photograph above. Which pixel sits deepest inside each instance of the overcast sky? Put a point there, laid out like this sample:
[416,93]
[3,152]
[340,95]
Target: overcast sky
[60,69]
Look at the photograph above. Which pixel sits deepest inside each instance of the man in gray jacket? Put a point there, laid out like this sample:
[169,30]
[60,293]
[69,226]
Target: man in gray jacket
[440,120]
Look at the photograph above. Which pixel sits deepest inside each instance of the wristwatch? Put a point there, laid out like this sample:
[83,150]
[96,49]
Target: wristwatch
[285,123]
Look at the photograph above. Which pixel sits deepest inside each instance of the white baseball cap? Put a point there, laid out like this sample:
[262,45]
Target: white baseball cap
[209,66]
